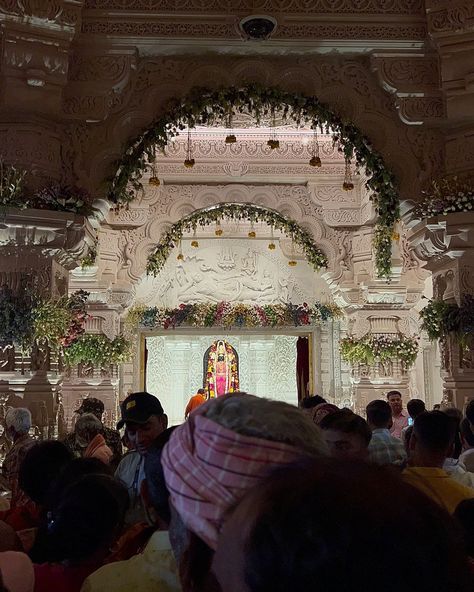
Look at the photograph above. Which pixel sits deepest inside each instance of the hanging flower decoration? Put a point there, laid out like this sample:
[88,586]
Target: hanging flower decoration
[441,319]
[205,106]
[380,348]
[232,211]
[98,350]
[227,315]
[446,196]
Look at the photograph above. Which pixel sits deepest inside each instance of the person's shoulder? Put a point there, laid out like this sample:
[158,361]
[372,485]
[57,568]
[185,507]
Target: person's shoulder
[129,458]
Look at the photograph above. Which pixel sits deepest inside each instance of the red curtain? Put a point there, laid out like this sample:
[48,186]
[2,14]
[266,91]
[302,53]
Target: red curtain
[302,367]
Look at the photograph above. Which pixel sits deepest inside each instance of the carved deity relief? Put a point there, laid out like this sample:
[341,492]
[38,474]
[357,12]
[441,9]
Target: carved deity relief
[230,270]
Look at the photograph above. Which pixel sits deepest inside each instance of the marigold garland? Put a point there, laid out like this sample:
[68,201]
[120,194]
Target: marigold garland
[227,315]
[234,211]
[204,106]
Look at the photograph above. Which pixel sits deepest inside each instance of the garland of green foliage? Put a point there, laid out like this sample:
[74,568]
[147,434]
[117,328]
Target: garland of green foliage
[441,319]
[98,350]
[379,348]
[315,257]
[205,107]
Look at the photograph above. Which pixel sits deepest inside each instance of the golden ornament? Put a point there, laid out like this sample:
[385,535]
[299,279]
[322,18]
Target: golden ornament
[218,232]
[189,163]
[252,234]
[274,144]
[315,161]
[180,257]
[396,236]
[272,246]
[230,139]
[348,186]
[292,263]
[194,244]
[154,181]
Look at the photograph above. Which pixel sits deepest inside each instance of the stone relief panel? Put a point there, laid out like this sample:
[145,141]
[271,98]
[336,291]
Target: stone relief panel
[175,201]
[233,270]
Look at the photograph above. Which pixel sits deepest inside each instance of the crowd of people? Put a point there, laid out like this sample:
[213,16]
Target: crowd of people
[246,495]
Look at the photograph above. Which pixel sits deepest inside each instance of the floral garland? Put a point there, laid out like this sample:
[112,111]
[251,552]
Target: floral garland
[227,315]
[234,211]
[98,350]
[446,196]
[204,107]
[379,348]
[440,319]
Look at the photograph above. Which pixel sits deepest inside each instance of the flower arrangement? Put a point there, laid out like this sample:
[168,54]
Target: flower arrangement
[440,319]
[11,186]
[227,315]
[234,211]
[24,319]
[446,195]
[54,197]
[375,348]
[16,323]
[98,350]
[205,106]
[59,323]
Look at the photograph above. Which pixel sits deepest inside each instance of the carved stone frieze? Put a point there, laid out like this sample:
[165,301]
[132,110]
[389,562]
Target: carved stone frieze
[448,16]
[293,6]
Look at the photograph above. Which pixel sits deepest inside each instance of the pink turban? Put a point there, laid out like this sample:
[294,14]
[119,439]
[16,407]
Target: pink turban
[17,571]
[209,468]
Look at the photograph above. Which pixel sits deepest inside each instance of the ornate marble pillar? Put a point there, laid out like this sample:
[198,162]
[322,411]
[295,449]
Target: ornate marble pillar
[106,304]
[377,308]
[446,246]
[37,250]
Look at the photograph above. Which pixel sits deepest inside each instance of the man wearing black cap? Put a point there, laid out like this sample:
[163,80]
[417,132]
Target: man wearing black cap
[144,420]
[112,437]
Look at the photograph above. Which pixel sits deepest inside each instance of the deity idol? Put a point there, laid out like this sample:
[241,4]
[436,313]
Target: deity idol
[221,367]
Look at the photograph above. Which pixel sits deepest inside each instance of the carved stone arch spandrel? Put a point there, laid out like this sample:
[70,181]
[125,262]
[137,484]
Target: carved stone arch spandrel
[347,84]
[137,243]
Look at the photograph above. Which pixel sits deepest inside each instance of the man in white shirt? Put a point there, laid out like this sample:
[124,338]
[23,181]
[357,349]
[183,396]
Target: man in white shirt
[144,420]
[384,449]
[399,416]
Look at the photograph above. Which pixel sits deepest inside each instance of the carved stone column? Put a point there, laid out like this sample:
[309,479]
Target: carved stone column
[376,307]
[37,250]
[105,306]
[446,245]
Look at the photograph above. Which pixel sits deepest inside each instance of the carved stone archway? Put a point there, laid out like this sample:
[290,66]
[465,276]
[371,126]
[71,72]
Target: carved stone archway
[347,85]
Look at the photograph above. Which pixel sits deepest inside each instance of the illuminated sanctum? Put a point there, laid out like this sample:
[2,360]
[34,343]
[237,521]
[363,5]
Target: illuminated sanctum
[270,215]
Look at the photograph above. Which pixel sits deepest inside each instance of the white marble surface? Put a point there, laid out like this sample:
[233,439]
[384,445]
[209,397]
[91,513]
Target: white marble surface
[267,367]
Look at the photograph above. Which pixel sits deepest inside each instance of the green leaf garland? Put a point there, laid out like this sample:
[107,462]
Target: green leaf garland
[232,211]
[203,106]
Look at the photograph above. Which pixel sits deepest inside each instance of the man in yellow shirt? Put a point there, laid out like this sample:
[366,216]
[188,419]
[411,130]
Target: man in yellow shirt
[430,445]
